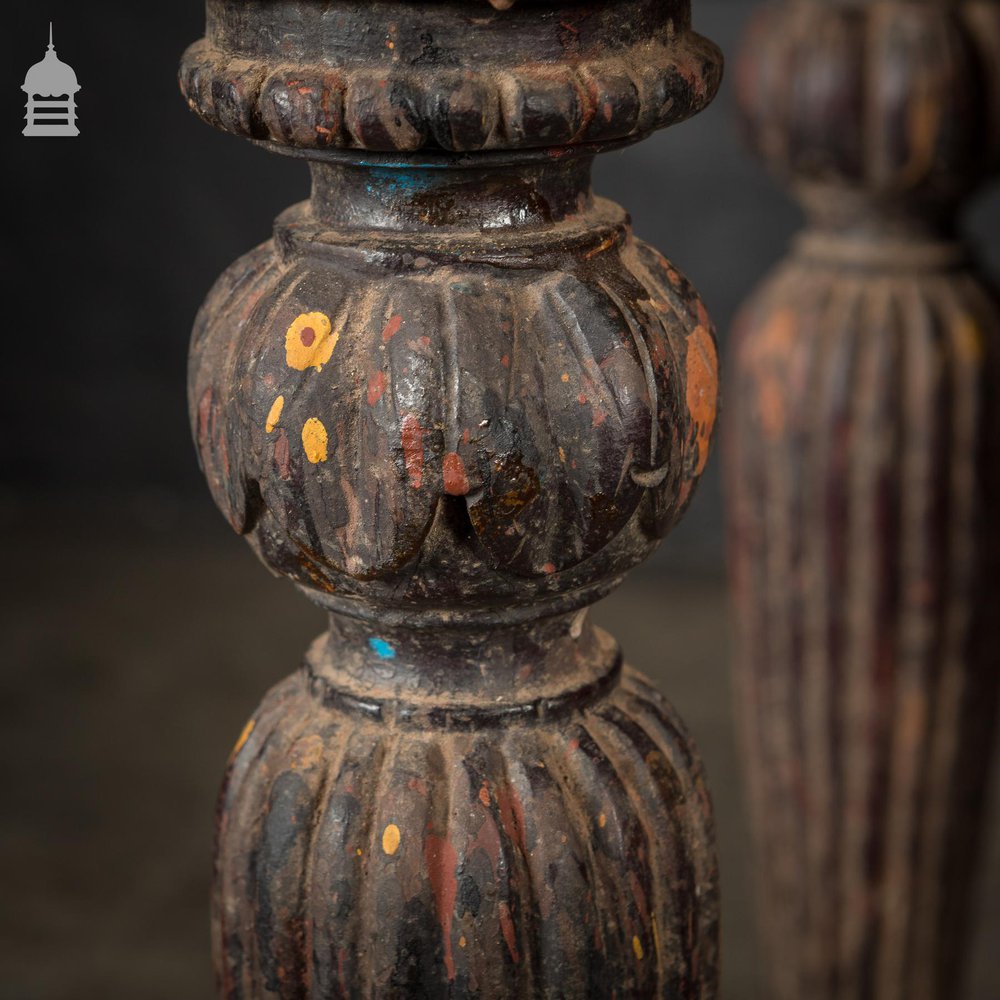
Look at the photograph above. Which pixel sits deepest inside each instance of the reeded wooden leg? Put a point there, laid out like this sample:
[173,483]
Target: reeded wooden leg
[455,400]
[863,458]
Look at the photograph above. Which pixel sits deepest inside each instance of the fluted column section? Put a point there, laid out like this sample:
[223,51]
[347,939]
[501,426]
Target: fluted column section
[863,453]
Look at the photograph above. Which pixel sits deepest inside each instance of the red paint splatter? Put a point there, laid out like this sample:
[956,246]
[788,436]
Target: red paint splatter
[573,746]
[305,90]
[466,436]
[413,449]
[549,568]
[639,895]
[307,335]
[512,816]
[282,455]
[488,840]
[505,361]
[206,420]
[456,481]
[599,417]
[376,387]
[442,863]
[581,399]
[507,926]
[391,328]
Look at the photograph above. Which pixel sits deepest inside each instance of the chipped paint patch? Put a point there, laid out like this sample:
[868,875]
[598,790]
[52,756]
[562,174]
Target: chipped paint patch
[309,341]
[456,480]
[314,440]
[274,414]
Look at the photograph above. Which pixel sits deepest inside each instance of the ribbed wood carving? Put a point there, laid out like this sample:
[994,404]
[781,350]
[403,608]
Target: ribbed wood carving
[454,399]
[863,469]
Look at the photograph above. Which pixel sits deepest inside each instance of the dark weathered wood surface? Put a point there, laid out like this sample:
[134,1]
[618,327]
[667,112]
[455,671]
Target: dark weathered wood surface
[455,400]
[864,450]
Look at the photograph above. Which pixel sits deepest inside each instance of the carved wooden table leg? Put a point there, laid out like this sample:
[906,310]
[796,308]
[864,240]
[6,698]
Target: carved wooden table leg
[455,400]
[864,447]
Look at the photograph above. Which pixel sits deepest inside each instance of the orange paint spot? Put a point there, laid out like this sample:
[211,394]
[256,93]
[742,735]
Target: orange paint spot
[602,821]
[549,568]
[505,361]
[413,449]
[309,341]
[581,399]
[274,414]
[565,376]
[314,440]
[702,395]
[605,244]
[376,387]
[484,796]
[390,839]
[637,948]
[462,942]
[244,736]
[456,481]
[391,328]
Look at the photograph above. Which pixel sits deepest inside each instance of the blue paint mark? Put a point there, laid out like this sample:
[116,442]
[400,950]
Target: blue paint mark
[382,648]
[403,180]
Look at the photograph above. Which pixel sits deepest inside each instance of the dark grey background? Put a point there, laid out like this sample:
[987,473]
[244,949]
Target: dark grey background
[136,633]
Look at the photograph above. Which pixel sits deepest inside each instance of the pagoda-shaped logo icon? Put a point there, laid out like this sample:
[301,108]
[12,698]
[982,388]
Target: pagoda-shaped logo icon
[51,88]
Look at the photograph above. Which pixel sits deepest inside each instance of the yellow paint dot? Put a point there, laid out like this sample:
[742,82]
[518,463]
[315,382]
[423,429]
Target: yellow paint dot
[359,852]
[562,456]
[461,941]
[310,341]
[274,414]
[601,820]
[314,440]
[244,736]
[637,947]
[565,376]
[390,839]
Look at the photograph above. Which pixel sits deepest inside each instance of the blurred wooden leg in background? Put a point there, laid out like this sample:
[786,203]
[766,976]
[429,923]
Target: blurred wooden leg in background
[863,441]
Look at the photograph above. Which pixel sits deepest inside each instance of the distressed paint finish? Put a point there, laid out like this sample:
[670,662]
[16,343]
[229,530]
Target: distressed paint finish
[863,445]
[454,399]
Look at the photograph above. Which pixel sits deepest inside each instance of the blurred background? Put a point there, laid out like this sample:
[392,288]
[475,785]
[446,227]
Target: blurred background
[136,632]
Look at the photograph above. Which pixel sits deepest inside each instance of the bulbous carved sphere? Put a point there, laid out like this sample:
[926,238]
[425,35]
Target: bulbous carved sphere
[465,418]
[377,852]
[903,98]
